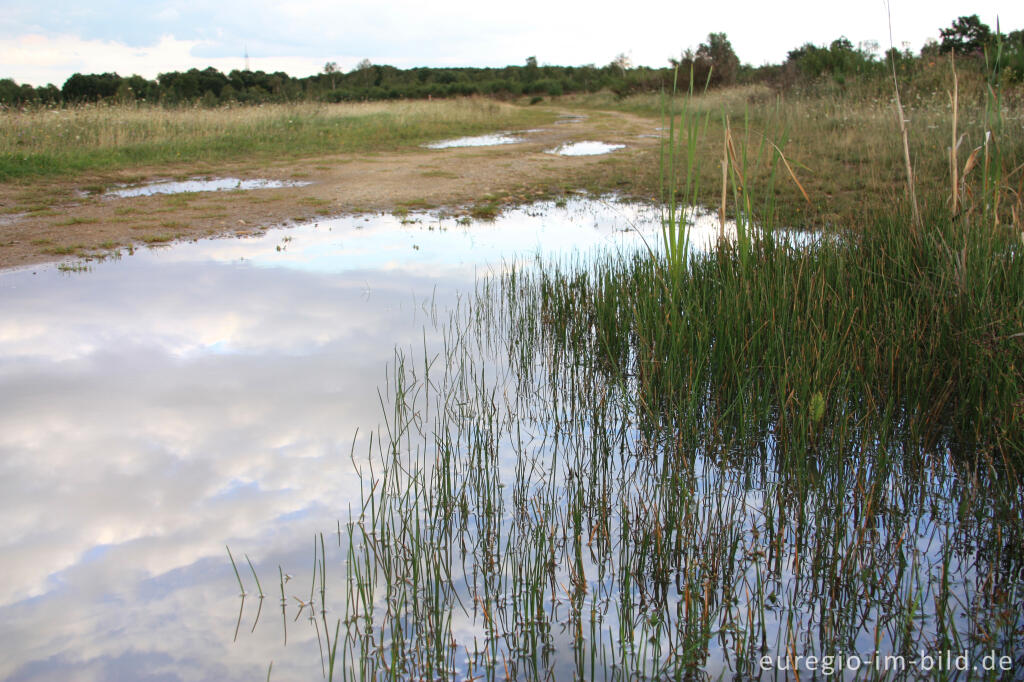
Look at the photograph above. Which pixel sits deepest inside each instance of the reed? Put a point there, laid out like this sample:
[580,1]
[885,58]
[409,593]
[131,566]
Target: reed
[841,147]
[673,463]
[603,472]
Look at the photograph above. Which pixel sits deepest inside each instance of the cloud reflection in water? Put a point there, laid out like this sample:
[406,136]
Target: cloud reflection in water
[161,406]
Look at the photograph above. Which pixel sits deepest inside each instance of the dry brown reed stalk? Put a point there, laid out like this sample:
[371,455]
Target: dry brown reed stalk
[736,165]
[790,170]
[725,179]
[916,223]
[989,137]
[954,98]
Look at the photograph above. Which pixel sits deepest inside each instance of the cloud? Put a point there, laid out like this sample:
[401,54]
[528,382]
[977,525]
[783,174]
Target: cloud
[299,37]
[38,58]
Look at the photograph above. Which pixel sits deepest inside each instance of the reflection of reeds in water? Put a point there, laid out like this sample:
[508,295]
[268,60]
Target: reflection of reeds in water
[595,482]
[649,467]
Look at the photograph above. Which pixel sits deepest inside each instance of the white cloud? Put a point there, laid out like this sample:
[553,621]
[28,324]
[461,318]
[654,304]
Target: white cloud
[39,59]
[48,43]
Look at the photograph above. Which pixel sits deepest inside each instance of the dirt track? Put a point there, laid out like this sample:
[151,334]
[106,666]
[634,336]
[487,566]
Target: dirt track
[60,222]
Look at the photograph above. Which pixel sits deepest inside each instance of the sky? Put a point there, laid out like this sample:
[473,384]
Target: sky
[46,42]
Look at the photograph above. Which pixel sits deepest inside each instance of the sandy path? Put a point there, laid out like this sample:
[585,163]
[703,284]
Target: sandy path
[49,220]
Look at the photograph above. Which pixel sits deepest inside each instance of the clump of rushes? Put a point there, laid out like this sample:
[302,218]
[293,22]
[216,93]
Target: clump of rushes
[604,473]
[657,466]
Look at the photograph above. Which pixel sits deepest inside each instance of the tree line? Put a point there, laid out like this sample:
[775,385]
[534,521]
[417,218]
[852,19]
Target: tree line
[713,64]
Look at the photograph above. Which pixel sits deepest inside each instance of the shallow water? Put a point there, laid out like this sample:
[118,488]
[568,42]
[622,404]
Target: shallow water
[475,141]
[200,185]
[156,408]
[586,148]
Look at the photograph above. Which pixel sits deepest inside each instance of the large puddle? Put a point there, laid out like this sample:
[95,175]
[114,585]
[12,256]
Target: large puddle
[200,185]
[156,408]
[160,406]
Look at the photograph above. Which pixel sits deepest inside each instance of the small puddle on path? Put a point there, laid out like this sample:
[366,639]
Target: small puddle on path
[475,141]
[200,185]
[586,148]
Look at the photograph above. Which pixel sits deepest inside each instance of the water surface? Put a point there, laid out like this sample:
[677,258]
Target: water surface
[156,408]
[476,141]
[200,185]
[586,148]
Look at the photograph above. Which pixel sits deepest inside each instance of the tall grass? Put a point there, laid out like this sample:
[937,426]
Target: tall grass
[597,477]
[604,471]
[841,146]
[101,137]
[671,464]
[928,315]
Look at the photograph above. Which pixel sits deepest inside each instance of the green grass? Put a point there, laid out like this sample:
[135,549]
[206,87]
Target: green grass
[77,221]
[99,138]
[65,250]
[158,239]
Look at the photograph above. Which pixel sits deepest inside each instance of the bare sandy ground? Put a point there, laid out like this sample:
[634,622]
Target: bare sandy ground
[57,220]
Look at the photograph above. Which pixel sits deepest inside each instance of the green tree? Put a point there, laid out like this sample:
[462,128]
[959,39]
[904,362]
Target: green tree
[719,56]
[623,63]
[90,88]
[967,35]
[1012,56]
[331,69]
[532,71]
[365,68]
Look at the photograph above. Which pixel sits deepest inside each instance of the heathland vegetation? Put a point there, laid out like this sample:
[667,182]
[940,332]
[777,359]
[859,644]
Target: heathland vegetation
[700,465]
[644,466]
[681,465]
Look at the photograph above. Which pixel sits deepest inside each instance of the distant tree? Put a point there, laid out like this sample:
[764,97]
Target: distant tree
[143,89]
[967,35]
[90,88]
[623,63]
[532,71]
[841,44]
[1012,55]
[692,71]
[868,48]
[125,94]
[331,69]
[365,69]
[931,49]
[10,93]
[718,54]
[275,82]
[49,94]
[840,60]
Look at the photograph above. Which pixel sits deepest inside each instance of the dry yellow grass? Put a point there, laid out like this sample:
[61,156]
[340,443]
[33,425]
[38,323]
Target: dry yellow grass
[107,137]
